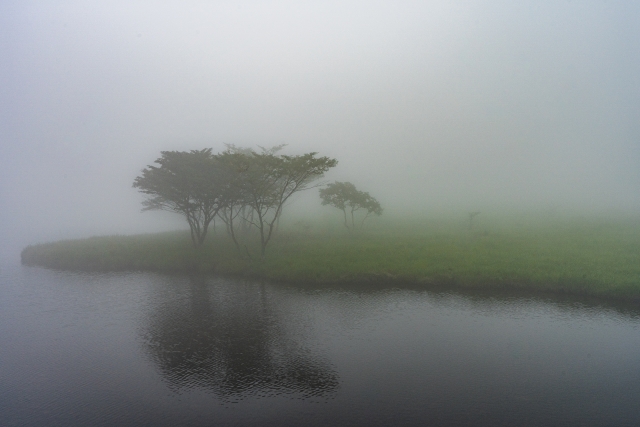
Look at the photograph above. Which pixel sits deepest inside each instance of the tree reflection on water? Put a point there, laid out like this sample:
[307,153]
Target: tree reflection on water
[229,340]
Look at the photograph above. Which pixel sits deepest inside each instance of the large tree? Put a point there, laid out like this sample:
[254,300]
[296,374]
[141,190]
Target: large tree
[265,181]
[236,209]
[346,197]
[193,184]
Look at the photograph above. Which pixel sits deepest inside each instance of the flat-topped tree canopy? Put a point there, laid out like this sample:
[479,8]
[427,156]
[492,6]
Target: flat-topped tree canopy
[346,197]
[189,183]
[200,185]
[267,180]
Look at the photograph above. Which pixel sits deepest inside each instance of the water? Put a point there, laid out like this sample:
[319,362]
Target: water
[146,349]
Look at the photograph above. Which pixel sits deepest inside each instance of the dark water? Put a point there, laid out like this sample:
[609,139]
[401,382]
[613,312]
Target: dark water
[145,349]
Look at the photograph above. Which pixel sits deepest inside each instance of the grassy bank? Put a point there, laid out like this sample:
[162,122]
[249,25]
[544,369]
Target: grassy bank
[596,257]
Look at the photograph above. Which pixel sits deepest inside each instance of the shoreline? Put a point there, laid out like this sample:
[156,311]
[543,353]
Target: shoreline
[498,262]
[381,282]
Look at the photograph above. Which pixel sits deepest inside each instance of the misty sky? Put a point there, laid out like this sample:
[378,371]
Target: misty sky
[442,105]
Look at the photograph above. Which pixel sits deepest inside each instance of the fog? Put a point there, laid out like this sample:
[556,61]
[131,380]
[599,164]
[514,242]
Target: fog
[432,107]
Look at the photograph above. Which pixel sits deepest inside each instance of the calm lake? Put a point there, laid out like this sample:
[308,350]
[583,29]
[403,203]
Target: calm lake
[135,349]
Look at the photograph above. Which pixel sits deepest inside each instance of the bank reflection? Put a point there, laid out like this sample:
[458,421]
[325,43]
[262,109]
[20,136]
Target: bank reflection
[228,339]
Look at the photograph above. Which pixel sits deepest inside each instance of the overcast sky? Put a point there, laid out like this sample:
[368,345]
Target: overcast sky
[441,105]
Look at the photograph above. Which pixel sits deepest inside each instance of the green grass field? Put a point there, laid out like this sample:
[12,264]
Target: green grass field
[582,256]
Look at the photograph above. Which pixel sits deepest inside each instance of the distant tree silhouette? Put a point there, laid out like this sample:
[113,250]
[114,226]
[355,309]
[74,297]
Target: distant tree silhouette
[345,196]
[472,215]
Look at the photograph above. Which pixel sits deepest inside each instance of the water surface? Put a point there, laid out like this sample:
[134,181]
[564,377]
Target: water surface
[147,349]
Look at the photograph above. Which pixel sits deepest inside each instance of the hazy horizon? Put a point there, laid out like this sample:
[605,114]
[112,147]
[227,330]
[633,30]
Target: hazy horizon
[443,106]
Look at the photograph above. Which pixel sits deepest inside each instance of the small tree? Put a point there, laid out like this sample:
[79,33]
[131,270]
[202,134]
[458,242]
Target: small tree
[472,215]
[345,196]
[191,183]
